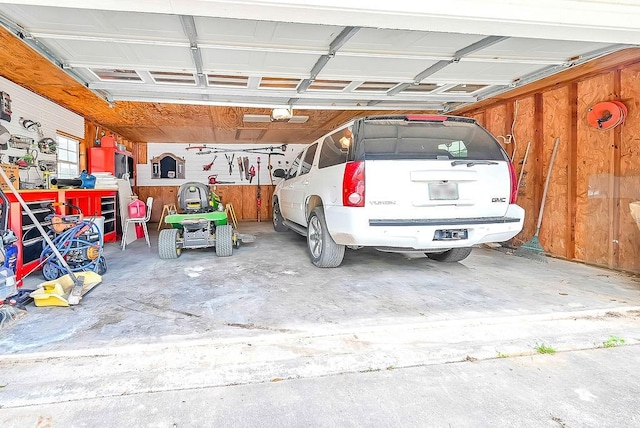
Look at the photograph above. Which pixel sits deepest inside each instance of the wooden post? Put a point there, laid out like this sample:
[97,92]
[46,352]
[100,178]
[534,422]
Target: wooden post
[572,189]
[614,184]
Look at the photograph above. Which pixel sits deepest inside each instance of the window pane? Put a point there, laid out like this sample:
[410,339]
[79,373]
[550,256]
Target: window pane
[68,149]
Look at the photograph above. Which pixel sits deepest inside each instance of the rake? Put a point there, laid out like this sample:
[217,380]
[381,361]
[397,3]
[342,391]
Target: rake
[532,248]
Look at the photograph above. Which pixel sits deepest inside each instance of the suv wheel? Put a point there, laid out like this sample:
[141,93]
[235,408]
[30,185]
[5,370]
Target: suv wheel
[452,255]
[323,250]
[278,220]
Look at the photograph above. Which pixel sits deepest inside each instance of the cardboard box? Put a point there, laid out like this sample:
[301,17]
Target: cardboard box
[13,172]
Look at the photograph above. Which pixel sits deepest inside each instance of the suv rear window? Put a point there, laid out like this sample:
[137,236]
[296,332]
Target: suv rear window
[332,152]
[400,139]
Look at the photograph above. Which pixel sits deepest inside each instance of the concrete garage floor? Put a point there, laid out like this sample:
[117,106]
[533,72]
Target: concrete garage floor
[262,338]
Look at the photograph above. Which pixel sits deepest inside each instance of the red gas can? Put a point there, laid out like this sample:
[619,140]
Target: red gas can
[137,209]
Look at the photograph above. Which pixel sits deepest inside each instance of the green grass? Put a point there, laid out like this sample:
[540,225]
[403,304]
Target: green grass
[501,355]
[612,342]
[544,349]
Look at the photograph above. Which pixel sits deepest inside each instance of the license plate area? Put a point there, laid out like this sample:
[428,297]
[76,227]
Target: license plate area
[444,191]
[451,234]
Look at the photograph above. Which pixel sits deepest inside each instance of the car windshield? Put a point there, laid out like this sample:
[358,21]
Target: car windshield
[400,139]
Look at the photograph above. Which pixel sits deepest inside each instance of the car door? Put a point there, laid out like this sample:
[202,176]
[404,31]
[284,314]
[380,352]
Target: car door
[299,186]
[286,192]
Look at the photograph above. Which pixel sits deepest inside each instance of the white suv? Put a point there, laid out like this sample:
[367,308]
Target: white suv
[429,183]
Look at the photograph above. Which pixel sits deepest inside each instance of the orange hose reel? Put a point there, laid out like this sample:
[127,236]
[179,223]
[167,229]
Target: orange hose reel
[607,115]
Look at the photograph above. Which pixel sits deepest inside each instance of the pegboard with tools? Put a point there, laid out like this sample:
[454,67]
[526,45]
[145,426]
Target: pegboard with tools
[222,164]
[33,124]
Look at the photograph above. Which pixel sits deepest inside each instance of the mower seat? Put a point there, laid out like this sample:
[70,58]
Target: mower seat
[194,197]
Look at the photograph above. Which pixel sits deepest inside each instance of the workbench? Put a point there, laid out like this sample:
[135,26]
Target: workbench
[92,202]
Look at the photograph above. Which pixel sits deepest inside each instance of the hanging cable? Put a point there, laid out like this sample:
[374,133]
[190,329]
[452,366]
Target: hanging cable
[513,133]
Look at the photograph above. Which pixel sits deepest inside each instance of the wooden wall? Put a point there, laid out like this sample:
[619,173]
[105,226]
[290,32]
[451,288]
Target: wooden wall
[596,173]
[243,199]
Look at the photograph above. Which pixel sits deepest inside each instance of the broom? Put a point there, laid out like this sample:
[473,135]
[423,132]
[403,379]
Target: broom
[532,248]
[10,313]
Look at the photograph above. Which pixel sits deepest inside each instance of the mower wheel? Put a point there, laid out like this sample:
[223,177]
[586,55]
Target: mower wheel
[168,244]
[101,267]
[50,272]
[224,240]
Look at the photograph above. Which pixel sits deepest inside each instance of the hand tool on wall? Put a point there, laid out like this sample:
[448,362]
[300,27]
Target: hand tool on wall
[230,162]
[270,168]
[252,173]
[259,194]
[5,106]
[208,166]
[240,168]
[210,149]
[199,148]
[213,179]
[245,161]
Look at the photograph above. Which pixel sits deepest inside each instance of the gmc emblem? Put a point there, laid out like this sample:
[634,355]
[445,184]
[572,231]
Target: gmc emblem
[498,199]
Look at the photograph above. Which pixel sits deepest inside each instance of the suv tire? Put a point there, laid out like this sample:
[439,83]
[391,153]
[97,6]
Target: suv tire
[278,220]
[323,250]
[450,256]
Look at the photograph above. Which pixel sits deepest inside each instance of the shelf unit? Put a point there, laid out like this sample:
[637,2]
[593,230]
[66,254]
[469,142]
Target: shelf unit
[110,159]
[109,212]
[32,239]
[95,202]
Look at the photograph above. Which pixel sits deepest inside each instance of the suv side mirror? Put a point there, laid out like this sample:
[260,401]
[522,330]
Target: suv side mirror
[279,173]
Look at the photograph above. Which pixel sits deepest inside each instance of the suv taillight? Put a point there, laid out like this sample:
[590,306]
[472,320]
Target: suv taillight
[353,184]
[514,184]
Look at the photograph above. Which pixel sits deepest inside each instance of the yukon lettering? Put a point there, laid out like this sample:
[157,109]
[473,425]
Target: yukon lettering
[382,202]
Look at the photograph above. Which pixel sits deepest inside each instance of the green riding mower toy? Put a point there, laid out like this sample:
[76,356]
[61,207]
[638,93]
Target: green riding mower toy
[203,222]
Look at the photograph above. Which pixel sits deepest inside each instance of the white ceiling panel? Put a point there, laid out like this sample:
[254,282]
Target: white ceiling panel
[483,73]
[363,68]
[263,33]
[145,57]
[58,20]
[326,63]
[257,63]
[409,42]
[561,50]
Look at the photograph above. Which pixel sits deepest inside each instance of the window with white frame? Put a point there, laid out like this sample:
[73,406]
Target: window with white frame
[67,157]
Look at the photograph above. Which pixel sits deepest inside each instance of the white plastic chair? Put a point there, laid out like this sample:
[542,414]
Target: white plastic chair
[142,221]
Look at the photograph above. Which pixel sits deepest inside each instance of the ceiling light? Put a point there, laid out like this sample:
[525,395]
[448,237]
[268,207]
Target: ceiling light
[278,114]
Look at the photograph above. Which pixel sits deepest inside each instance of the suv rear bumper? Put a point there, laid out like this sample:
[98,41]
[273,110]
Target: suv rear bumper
[351,226]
